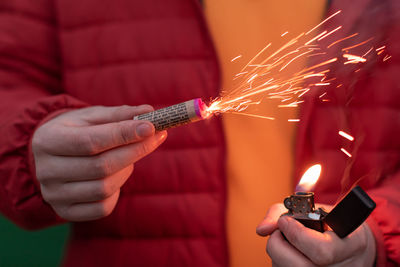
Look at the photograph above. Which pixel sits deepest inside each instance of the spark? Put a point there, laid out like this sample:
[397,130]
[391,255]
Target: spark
[357,45]
[317,54]
[329,33]
[254,115]
[267,76]
[283,34]
[386,57]
[241,73]
[346,152]
[346,135]
[305,91]
[290,61]
[321,84]
[314,75]
[328,18]
[380,48]
[320,64]
[316,37]
[341,40]
[254,58]
[368,52]
[293,104]
[353,59]
[252,78]
[233,59]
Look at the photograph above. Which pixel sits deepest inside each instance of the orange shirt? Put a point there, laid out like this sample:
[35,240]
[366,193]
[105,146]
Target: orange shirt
[260,152]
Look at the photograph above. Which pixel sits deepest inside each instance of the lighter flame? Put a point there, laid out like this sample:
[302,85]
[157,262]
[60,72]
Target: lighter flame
[309,179]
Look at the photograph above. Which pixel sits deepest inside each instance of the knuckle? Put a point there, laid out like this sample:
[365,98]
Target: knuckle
[103,210]
[305,264]
[90,144]
[55,195]
[121,109]
[323,255]
[124,108]
[293,235]
[143,149]
[362,241]
[271,243]
[124,134]
[37,140]
[269,247]
[46,195]
[64,212]
[43,175]
[102,166]
[85,143]
[105,190]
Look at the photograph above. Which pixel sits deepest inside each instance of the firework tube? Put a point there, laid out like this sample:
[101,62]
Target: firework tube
[176,115]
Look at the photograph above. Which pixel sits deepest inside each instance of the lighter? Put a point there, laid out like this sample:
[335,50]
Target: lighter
[301,207]
[344,218]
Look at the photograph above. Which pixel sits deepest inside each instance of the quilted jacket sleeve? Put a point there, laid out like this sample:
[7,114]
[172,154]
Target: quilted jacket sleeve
[385,221]
[30,92]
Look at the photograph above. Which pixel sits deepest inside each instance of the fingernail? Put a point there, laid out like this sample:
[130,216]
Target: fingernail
[144,130]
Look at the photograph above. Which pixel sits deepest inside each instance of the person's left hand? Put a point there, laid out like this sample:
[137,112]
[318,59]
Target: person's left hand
[307,247]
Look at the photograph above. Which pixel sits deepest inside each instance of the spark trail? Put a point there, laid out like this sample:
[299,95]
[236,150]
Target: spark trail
[269,76]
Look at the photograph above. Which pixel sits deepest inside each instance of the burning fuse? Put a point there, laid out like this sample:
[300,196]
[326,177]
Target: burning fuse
[176,115]
[344,218]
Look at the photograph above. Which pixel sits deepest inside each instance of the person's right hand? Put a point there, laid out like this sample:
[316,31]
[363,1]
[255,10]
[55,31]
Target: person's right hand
[83,157]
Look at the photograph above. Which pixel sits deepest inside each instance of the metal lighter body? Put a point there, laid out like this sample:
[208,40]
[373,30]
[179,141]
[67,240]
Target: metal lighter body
[301,207]
[343,219]
[176,115]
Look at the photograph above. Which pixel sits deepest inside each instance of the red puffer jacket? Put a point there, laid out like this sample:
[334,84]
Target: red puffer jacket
[57,55]
[62,54]
[367,106]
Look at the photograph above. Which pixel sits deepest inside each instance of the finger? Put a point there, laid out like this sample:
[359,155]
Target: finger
[86,191]
[321,248]
[269,223]
[92,140]
[69,169]
[284,254]
[90,211]
[102,115]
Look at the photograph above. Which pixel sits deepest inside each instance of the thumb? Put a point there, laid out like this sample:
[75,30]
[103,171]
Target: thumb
[270,222]
[102,114]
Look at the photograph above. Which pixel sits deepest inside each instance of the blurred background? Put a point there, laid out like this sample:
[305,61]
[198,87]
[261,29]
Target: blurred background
[25,248]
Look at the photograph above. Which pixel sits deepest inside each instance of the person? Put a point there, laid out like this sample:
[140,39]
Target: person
[70,146]
[365,105]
